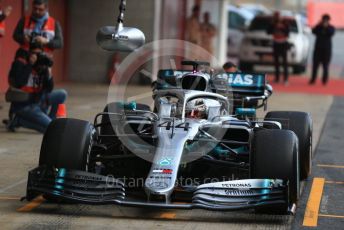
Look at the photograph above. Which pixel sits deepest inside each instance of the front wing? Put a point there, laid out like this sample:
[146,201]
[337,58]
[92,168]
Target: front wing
[89,188]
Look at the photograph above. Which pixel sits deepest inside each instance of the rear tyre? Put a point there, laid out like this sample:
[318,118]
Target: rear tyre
[301,124]
[275,156]
[67,143]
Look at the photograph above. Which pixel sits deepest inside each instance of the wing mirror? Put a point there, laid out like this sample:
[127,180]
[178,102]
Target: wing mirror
[120,38]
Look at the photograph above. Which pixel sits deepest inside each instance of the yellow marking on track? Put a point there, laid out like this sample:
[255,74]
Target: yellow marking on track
[168,215]
[334,182]
[312,209]
[331,166]
[32,205]
[9,198]
[331,216]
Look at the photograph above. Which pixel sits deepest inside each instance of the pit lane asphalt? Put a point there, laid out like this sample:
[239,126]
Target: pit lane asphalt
[19,153]
[328,165]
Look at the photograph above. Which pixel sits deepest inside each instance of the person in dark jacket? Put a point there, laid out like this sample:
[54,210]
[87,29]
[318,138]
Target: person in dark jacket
[324,32]
[30,72]
[279,29]
[40,29]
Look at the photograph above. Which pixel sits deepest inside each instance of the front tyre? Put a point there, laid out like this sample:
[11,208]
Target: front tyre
[67,144]
[275,156]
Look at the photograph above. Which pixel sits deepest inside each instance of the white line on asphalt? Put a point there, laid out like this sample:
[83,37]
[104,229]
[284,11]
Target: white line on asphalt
[324,203]
[5,189]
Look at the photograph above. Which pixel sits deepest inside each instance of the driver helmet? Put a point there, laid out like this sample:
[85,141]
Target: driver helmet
[196,109]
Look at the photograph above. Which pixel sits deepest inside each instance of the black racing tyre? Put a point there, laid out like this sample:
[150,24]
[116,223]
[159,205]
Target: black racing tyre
[67,143]
[275,156]
[106,128]
[301,124]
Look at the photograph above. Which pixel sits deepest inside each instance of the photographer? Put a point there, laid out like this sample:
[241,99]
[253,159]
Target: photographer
[279,29]
[30,72]
[39,29]
[324,33]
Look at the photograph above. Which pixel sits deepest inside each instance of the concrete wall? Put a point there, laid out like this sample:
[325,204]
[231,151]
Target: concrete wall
[86,61]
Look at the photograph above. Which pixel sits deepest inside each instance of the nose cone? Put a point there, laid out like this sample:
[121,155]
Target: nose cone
[163,174]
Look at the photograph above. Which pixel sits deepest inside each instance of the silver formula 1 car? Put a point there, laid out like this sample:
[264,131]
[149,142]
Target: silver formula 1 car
[201,146]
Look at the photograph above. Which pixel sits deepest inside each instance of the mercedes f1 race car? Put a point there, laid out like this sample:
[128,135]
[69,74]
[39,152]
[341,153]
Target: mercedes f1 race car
[200,147]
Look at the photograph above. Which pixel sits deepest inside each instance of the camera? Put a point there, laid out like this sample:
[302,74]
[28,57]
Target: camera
[44,60]
[43,64]
[33,42]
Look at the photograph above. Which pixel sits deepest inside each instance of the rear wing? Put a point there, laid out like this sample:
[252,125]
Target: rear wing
[240,83]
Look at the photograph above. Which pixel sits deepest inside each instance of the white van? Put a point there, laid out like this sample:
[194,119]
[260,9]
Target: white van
[238,21]
[256,48]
